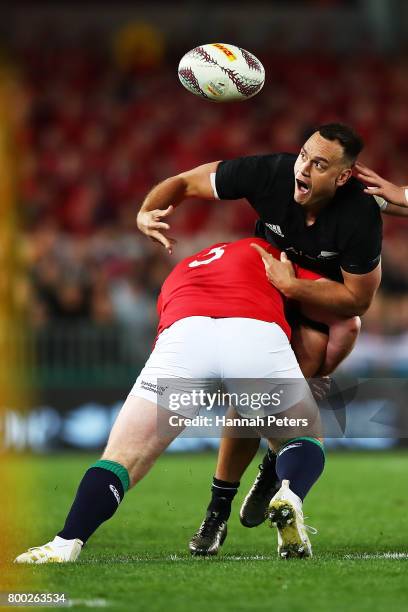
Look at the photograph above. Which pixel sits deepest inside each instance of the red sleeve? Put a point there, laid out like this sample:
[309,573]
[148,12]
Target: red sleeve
[304,274]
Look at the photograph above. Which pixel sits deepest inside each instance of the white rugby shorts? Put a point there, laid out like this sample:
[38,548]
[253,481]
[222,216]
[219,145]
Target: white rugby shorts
[246,355]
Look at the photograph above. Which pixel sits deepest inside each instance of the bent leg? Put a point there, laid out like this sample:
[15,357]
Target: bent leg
[134,445]
[300,462]
[343,335]
[137,439]
[235,453]
[309,346]
[234,456]
[318,354]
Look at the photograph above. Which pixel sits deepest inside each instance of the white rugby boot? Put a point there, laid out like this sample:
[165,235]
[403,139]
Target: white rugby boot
[285,513]
[56,551]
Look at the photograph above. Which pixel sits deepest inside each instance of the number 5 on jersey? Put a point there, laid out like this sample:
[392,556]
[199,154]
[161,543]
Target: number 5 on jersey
[216,253]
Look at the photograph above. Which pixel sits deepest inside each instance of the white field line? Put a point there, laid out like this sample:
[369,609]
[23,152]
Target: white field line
[398,556]
[88,603]
[182,559]
[379,555]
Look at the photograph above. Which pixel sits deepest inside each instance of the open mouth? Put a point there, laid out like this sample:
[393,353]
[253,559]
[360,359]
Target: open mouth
[302,186]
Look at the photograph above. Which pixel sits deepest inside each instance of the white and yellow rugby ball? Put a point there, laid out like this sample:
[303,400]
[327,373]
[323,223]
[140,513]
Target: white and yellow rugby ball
[221,72]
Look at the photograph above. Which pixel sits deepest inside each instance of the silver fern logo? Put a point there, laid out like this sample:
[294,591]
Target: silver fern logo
[275,228]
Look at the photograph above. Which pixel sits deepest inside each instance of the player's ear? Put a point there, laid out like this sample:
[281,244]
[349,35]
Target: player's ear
[343,177]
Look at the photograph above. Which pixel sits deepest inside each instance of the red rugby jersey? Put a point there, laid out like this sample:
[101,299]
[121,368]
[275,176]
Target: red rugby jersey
[222,281]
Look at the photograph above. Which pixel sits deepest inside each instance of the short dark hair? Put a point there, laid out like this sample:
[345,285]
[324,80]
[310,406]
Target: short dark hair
[351,142]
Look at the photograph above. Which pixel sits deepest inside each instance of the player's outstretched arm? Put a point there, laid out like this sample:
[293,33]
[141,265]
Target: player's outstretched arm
[395,197]
[164,197]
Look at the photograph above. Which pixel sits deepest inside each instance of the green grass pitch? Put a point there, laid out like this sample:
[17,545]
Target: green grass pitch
[139,560]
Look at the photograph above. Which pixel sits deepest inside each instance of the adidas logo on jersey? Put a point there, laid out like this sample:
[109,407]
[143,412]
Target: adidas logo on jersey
[275,228]
[328,254]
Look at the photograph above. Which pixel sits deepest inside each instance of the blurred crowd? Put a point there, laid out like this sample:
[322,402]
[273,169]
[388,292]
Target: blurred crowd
[98,136]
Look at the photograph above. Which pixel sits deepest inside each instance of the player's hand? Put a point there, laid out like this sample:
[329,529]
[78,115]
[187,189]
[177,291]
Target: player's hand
[151,223]
[280,273]
[376,185]
[320,387]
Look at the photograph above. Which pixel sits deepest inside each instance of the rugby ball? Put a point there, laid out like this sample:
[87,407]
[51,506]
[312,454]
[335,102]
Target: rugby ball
[221,72]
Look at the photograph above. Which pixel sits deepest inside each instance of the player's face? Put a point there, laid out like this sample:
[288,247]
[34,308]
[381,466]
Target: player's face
[319,169]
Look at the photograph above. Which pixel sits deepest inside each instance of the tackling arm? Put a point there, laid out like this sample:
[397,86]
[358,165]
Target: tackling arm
[345,300]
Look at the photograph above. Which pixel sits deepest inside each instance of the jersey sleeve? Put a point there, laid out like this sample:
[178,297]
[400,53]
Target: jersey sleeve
[245,177]
[362,252]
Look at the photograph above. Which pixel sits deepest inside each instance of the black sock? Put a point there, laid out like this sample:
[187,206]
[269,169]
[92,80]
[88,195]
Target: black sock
[223,492]
[301,461]
[269,465]
[99,494]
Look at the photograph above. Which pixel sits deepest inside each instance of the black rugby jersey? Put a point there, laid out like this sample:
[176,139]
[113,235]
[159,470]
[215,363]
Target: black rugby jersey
[347,233]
